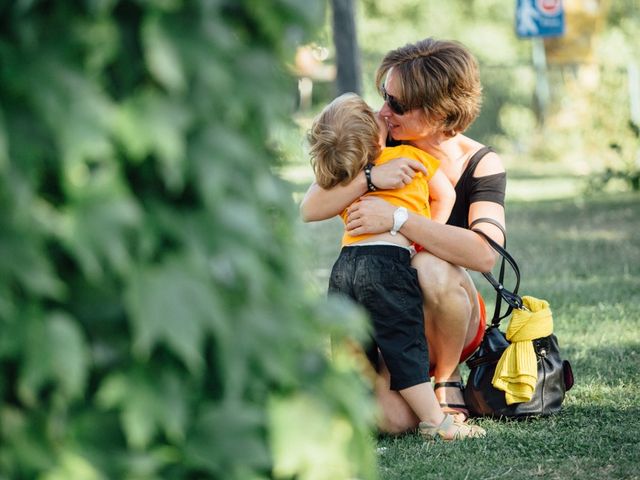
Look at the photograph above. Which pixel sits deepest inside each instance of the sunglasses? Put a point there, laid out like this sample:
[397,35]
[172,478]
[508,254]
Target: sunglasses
[395,105]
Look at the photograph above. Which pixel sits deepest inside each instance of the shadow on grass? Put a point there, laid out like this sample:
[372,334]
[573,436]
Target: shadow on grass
[611,366]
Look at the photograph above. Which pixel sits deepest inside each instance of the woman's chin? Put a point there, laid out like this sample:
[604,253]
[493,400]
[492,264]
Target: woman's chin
[395,134]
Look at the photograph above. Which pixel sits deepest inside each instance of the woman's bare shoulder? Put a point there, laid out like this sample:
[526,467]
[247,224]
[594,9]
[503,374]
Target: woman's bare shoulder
[490,164]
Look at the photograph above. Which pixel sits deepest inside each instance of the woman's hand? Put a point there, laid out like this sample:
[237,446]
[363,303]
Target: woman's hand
[369,215]
[396,173]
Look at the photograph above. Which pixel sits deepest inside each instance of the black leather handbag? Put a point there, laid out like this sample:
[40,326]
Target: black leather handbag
[555,376]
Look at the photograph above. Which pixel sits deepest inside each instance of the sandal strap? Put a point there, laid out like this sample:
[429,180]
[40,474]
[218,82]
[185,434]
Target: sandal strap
[445,424]
[454,405]
[431,431]
[457,384]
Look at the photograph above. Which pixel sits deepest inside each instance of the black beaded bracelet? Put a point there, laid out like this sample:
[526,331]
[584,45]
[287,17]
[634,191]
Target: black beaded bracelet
[367,173]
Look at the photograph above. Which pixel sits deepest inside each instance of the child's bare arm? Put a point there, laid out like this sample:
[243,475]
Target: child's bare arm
[320,204]
[442,196]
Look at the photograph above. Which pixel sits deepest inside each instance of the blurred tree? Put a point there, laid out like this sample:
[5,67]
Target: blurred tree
[153,321]
[345,39]
[624,14]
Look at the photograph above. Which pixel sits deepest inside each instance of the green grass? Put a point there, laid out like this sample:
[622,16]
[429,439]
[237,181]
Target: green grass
[583,256]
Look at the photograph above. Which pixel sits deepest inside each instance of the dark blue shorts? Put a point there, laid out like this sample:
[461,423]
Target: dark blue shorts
[382,280]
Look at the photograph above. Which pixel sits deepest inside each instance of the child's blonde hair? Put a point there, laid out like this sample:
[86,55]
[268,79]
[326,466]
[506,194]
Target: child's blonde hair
[344,137]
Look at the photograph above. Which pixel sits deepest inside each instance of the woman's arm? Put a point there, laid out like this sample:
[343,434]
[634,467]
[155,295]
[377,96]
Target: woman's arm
[456,245]
[320,204]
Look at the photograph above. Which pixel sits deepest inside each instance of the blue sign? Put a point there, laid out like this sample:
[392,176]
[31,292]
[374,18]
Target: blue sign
[539,18]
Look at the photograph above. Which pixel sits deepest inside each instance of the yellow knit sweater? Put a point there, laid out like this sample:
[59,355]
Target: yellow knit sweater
[517,372]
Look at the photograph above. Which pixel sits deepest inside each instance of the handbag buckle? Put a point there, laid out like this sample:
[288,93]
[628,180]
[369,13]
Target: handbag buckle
[541,346]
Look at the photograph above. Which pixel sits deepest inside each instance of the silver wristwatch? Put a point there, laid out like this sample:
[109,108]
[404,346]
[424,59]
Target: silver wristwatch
[400,216]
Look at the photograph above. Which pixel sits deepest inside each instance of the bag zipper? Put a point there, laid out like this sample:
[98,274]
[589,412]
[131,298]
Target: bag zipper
[541,355]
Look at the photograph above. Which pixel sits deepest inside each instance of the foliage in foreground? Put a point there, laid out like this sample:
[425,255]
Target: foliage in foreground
[153,322]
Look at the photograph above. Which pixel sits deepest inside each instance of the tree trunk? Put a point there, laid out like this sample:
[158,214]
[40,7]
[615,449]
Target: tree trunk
[346,42]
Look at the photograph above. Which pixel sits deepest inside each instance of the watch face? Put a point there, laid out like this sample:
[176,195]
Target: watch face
[400,215]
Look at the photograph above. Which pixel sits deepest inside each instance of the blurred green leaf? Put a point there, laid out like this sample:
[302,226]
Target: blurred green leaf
[87,112]
[306,445]
[56,351]
[148,404]
[171,304]
[72,465]
[236,430]
[23,258]
[98,226]
[150,123]
[4,144]
[28,264]
[161,54]
[26,447]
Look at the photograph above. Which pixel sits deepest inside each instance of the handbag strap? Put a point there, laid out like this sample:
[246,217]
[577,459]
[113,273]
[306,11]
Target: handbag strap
[510,297]
[498,306]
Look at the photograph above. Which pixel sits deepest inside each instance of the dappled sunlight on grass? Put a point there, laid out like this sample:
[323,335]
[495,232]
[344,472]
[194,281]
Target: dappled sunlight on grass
[543,188]
[574,233]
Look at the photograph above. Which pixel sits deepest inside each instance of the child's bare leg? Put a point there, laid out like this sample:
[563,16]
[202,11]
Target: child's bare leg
[423,402]
[396,416]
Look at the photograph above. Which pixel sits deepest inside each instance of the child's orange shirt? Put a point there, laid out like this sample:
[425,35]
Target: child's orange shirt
[414,196]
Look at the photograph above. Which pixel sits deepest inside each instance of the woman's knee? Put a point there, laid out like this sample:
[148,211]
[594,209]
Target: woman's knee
[396,416]
[438,278]
[398,424]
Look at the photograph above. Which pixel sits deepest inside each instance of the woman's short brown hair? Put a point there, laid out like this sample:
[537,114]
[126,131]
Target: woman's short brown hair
[440,76]
[343,138]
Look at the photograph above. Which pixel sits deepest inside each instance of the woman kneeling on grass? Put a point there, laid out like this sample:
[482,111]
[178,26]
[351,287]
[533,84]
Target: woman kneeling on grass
[432,94]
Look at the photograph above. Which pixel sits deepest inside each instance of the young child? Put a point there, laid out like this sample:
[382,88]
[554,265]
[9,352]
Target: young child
[375,270]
